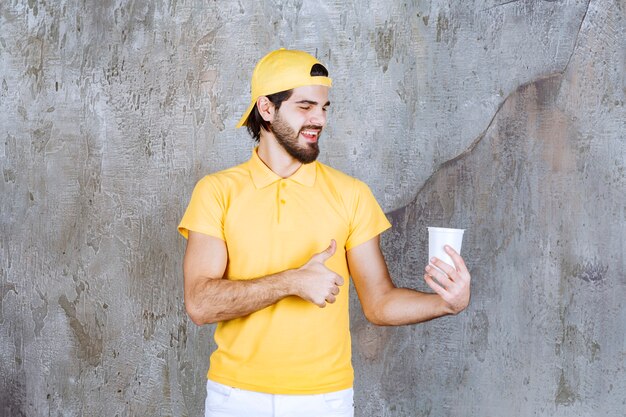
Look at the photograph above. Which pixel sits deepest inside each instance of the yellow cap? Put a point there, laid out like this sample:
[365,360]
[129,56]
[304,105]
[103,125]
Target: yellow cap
[279,71]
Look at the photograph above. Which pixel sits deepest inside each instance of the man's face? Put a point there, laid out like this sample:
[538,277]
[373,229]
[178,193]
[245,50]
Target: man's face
[298,124]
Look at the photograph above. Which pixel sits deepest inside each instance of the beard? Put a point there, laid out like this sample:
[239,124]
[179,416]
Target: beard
[288,139]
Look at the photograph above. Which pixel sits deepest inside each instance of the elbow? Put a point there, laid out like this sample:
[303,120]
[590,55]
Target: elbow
[193,314]
[199,308]
[197,316]
[375,317]
[384,314]
[376,321]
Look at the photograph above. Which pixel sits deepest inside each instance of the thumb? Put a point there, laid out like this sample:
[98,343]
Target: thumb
[327,253]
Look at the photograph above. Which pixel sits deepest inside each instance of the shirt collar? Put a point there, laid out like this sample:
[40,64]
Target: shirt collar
[262,176]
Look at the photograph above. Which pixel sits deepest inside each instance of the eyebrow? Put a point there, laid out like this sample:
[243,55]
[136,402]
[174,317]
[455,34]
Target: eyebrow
[311,102]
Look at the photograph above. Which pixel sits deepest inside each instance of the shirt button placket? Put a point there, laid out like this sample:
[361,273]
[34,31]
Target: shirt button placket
[281,200]
[283,185]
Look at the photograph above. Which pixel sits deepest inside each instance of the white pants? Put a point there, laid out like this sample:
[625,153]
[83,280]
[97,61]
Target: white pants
[224,401]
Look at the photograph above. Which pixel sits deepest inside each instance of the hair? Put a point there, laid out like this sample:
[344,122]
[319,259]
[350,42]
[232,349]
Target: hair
[254,123]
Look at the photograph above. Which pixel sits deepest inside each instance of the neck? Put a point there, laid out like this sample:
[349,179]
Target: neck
[275,157]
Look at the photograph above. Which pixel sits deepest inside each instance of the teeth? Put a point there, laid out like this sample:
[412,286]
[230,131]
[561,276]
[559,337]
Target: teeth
[308,132]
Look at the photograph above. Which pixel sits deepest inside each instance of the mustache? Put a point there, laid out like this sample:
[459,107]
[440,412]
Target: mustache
[311,127]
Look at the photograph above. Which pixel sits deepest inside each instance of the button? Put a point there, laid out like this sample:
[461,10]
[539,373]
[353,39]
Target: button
[284,184]
[282,201]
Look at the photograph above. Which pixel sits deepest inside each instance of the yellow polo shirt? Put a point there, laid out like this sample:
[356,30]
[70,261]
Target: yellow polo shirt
[271,224]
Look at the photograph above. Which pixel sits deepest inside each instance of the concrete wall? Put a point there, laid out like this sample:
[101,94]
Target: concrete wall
[506,118]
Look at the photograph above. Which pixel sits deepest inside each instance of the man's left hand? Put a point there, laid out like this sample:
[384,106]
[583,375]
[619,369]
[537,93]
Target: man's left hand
[452,282]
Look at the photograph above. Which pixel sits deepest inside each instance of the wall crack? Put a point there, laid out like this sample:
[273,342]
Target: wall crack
[474,143]
[582,21]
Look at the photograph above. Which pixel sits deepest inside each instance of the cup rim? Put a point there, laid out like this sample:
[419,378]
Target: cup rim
[445,230]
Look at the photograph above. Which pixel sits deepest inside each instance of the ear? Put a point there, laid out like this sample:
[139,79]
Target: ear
[266,108]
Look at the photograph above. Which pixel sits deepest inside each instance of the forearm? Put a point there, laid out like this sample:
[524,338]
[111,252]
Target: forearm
[384,304]
[209,297]
[404,306]
[218,299]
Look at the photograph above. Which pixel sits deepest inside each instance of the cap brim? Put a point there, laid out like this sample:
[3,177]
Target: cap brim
[246,114]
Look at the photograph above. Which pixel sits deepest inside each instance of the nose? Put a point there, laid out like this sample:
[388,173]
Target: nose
[318,117]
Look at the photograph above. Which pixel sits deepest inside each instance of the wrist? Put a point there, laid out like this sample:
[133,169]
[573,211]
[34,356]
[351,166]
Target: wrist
[445,308]
[287,284]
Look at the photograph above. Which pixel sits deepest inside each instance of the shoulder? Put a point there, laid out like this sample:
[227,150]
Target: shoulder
[335,177]
[341,180]
[225,179]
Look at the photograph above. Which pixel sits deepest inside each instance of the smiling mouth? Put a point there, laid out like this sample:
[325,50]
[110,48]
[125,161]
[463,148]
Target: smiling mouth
[311,135]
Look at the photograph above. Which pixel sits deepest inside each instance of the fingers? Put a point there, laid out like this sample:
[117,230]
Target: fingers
[331,297]
[327,253]
[445,274]
[338,280]
[321,281]
[434,286]
[452,285]
[459,263]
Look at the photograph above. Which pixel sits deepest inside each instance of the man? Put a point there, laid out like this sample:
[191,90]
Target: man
[271,244]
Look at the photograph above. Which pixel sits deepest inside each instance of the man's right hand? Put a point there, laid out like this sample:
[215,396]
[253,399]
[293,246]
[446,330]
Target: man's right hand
[315,282]
[210,297]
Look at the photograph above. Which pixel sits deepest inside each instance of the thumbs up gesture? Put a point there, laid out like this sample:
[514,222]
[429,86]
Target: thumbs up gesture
[315,282]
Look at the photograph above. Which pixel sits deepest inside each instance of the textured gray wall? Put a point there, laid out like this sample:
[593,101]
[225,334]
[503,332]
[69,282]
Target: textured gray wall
[503,117]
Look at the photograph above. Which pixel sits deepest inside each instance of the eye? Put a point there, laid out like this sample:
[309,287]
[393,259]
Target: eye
[305,107]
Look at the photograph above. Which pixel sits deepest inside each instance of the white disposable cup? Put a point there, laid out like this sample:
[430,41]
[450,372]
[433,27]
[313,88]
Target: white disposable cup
[438,237]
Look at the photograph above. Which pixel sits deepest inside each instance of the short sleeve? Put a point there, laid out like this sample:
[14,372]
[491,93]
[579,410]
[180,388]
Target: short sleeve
[205,212]
[367,219]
